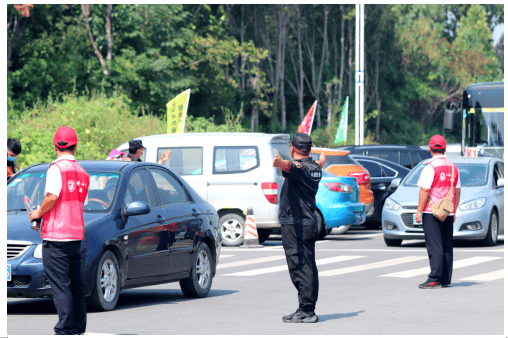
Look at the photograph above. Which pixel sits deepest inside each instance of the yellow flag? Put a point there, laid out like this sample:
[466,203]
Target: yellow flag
[177,112]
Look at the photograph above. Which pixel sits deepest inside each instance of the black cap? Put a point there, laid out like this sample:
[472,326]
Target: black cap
[301,141]
[135,144]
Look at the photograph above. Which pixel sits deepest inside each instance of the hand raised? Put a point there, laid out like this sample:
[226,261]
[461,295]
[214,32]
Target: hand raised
[277,161]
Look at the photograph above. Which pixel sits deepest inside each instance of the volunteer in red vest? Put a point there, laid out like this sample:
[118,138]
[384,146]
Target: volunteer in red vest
[434,183]
[62,231]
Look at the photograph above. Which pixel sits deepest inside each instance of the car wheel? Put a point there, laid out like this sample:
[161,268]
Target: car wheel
[321,229]
[200,280]
[233,229]
[263,234]
[393,242]
[492,232]
[107,283]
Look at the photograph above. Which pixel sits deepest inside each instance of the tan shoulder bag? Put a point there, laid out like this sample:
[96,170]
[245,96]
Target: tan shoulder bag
[443,208]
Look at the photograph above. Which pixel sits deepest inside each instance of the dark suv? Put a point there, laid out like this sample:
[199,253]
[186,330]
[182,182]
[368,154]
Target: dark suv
[406,156]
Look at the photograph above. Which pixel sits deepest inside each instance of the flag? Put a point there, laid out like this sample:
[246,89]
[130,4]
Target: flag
[342,130]
[177,112]
[306,125]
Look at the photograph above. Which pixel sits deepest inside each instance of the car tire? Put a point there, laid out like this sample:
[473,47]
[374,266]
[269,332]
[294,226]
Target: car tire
[107,283]
[263,234]
[198,284]
[392,242]
[321,228]
[493,230]
[233,229]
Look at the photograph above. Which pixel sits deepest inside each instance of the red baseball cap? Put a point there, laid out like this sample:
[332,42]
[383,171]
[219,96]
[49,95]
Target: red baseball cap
[65,134]
[437,142]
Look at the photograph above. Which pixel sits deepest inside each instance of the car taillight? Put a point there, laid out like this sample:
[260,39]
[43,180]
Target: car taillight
[339,187]
[362,178]
[270,191]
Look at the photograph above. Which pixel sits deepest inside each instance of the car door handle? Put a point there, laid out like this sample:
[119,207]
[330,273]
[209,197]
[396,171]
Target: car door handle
[382,187]
[195,213]
[160,219]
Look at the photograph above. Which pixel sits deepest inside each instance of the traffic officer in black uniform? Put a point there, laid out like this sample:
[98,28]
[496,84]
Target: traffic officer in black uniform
[299,224]
[136,150]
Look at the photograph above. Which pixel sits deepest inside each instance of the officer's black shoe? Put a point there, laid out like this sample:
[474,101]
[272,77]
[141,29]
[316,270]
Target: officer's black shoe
[449,285]
[430,284]
[301,317]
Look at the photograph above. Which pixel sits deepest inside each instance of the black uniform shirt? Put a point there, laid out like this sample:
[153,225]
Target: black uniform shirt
[298,195]
[133,158]
[11,164]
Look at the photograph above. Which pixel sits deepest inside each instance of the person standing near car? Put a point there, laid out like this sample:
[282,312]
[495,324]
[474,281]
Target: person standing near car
[434,183]
[136,150]
[13,150]
[299,224]
[62,231]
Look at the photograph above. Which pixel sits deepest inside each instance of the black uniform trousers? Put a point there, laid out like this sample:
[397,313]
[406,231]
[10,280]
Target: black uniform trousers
[299,246]
[62,262]
[439,243]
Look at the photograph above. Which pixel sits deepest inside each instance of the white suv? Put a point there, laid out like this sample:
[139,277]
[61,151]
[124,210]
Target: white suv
[232,171]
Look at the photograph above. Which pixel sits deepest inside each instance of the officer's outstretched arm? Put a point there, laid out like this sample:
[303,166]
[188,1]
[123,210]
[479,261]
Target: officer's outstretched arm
[322,160]
[284,165]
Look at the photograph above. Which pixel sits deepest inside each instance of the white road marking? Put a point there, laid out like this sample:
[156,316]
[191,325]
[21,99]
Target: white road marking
[410,250]
[357,236]
[487,277]
[224,256]
[284,267]
[369,266]
[250,261]
[456,265]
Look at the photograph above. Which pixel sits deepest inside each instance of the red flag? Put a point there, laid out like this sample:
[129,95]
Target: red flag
[306,125]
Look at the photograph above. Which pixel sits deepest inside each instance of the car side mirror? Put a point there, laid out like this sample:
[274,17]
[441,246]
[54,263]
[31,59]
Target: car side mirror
[500,183]
[136,208]
[395,183]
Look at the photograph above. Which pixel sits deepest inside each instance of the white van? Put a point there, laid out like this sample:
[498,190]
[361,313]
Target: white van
[232,171]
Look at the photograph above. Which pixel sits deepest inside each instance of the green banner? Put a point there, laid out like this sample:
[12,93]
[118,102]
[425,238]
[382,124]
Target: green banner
[342,130]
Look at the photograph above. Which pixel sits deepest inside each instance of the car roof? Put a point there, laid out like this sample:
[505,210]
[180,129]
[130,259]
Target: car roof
[381,160]
[373,146]
[88,165]
[328,151]
[226,135]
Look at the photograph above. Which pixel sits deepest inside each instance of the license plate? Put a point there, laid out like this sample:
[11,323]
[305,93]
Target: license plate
[9,276]
[414,220]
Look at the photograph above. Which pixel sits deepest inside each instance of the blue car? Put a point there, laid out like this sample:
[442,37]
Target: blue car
[144,225]
[337,204]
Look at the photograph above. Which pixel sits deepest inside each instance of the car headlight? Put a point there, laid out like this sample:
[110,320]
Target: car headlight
[38,251]
[476,204]
[390,204]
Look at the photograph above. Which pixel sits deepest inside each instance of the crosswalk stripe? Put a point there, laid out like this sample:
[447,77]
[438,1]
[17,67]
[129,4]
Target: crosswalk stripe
[284,267]
[456,265]
[369,266]
[249,261]
[487,277]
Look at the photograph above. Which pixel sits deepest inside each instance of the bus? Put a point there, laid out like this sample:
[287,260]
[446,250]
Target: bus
[482,120]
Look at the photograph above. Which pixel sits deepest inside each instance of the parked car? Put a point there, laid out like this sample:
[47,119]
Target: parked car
[144,225]
[337,204]
[406,156]
[341,164]
[232,171]
[480,215]
[382,172]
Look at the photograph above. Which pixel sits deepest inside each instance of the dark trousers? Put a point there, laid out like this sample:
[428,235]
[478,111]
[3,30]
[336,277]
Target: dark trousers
[299,243]
[62,262]
[439,242]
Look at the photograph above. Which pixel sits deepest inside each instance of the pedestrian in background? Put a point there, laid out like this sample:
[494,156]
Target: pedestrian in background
[13,150]
[136,150]
[299,224]
[435,182]
[115,154]
[62,231]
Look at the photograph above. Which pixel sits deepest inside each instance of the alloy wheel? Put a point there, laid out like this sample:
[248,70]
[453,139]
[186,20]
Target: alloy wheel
[108,280]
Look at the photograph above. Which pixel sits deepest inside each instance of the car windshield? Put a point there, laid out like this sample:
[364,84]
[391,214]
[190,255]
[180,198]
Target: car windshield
[471,174]
[103,186]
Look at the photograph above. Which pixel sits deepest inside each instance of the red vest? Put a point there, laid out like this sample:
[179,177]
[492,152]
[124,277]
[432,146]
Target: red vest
[65,220]
[441,184]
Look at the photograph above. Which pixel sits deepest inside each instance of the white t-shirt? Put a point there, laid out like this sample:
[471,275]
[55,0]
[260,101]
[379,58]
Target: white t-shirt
[54,183]
[427,176]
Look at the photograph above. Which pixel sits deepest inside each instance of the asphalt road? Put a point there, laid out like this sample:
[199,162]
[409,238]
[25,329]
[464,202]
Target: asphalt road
[365,288]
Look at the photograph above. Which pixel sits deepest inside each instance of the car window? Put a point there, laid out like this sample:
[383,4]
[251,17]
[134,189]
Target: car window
[389,155]
[373,168]
[234,160]
[184,161]
[284,151]
[405,161]
[501,167]
[416,158]
[334,159]
[169,189]
[472,175]
[139,189]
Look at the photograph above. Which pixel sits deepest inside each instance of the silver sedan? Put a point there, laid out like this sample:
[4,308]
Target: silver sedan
[480,215]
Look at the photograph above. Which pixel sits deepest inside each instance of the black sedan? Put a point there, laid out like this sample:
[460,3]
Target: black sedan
[144,225]
[382,172]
